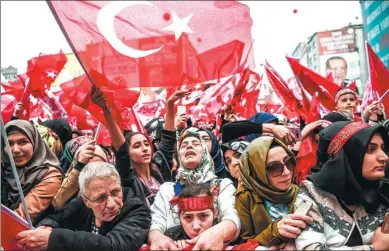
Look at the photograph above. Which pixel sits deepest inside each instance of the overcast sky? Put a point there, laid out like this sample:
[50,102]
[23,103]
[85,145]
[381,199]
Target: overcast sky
[28,28]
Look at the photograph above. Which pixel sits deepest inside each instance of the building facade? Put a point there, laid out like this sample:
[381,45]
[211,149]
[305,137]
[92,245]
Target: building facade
[340,52]
[9,73]
[375,16]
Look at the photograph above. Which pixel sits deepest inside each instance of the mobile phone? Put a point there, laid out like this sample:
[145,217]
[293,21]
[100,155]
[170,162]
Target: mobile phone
[303,208]
[385,225]
[181,110]
[296,132]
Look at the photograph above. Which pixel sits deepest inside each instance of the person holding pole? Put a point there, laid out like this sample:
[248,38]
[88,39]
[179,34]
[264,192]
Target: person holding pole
[37,168]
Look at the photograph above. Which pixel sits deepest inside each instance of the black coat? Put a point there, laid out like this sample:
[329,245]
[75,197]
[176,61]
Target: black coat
[72,227]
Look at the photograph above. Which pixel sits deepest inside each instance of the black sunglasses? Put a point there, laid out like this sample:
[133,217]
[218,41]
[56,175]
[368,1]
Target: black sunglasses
[276,168]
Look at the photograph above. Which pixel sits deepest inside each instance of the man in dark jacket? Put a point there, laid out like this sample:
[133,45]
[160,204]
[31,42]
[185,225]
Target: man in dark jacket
[105,217]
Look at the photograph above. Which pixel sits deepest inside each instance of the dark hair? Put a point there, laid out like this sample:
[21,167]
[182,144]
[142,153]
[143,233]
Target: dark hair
[335,58]
[130,134]
[194,190]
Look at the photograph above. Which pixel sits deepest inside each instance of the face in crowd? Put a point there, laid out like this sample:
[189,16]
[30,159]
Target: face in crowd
[375,159]
[347,101]
[105,197]
[140,149]
[190,152]
[279,168]
[196,222]
[232,161]
[21,148]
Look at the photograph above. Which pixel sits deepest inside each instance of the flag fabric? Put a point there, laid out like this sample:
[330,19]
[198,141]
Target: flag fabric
[43,70]
[246,94]
[285,95]
[379,76]
[313,82]
[117,98]
[369,96]
[153,43]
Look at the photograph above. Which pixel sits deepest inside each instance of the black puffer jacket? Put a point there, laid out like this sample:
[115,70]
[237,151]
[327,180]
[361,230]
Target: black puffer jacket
[72,227]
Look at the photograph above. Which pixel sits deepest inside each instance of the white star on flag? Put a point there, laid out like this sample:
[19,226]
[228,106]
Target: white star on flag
[197,86]
[51,74]
[24,113]
[179,25]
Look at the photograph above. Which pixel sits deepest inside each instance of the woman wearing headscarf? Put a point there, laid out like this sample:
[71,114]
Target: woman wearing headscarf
[232,151]
[37,167]
[214,150]
[265,199]
[347,206]
[195,167]
[61,128]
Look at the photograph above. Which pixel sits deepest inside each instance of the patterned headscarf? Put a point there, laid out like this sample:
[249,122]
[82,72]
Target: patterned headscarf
[154,129]
[204,172]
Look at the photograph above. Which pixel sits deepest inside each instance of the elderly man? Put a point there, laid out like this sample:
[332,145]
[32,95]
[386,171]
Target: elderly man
[105,217]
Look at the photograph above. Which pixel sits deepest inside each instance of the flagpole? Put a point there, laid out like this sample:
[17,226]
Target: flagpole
[97,131]
[16,176]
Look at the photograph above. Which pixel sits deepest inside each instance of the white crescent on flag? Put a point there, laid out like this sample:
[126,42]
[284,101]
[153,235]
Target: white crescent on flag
[106,25]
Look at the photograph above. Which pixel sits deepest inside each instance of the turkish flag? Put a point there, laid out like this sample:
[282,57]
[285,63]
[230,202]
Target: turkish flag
[246,94]
[117,99]
[43,70]
[76,116]
[285,95]
[379,76]
[313,82]
[153,43]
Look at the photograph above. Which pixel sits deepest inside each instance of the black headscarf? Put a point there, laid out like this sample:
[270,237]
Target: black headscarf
[341,174]
[217,157]
[61,127]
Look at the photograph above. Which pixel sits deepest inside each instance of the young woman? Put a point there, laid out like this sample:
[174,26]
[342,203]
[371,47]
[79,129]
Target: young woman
[195,166]
[37,167]
[232,151]
[265,200]
[135,150]
[348,209]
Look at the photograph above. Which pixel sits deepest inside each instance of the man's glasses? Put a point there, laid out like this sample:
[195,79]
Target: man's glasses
[276,168]
[103,198]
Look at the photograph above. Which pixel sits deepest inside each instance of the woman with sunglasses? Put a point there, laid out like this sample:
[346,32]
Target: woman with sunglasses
[265,199]
[348,207]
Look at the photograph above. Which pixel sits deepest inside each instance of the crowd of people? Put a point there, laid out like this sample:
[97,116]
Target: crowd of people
[190,188]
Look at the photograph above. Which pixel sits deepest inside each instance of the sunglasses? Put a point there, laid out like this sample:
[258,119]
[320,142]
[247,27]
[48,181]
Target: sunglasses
[276,168]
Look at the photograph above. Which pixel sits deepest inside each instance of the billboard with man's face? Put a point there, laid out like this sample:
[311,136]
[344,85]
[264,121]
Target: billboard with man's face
[339,55]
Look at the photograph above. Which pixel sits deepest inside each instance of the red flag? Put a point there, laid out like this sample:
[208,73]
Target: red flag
[43,70]
[313,82]
[306,159]
[246,94]
[379,76]
[286,96]
[153,43]
[117,99]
